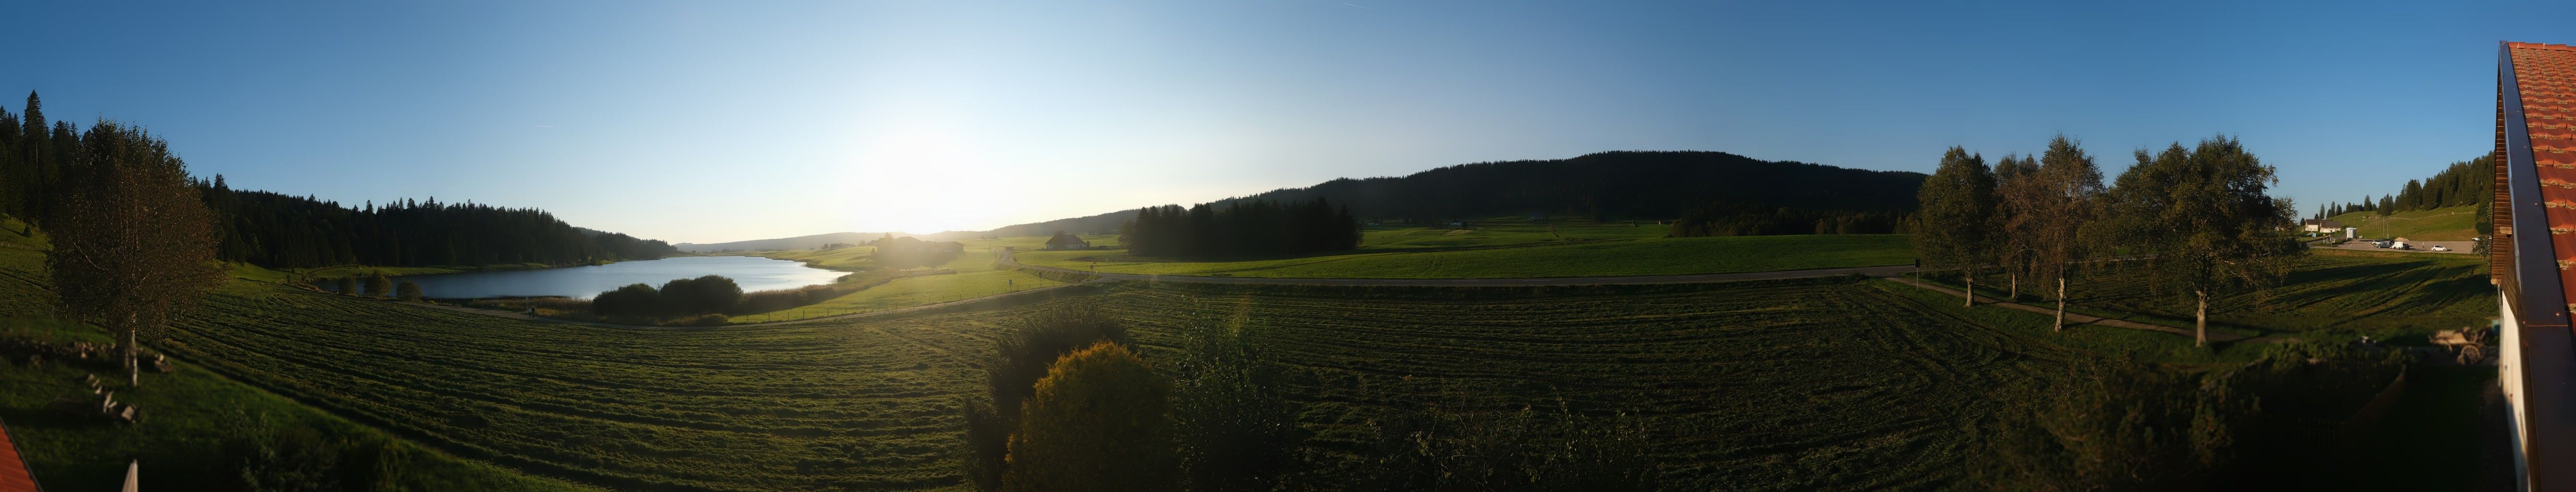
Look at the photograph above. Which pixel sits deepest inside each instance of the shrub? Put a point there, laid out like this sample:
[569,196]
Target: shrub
[1095,423]
[378,285]
[690,296]
[348,286]
[1020,359]
[2143,427]
[407,291]
[633,300]
[1234,428]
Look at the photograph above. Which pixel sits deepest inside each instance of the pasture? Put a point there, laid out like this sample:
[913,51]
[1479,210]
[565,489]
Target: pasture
[1586,258]
[976,277]
[2332,294]
[2440,224]
[1816,384]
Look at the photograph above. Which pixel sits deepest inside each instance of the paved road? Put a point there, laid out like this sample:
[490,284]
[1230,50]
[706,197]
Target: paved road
[1879,271]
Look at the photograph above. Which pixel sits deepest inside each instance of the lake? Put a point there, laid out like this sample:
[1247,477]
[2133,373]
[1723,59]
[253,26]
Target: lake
[751,272]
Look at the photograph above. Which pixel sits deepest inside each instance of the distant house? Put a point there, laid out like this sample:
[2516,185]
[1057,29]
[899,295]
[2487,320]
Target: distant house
[2320,225]
[1064,241]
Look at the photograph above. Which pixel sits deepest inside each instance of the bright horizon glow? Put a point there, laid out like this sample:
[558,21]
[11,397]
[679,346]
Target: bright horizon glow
[696,122]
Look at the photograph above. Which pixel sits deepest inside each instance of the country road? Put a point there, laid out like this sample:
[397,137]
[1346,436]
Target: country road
[1697,278]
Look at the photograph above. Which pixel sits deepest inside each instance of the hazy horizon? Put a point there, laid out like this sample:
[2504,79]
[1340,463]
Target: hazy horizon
[680,122]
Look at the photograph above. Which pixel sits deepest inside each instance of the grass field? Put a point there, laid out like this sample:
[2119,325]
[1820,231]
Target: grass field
[187,413]
[1756,378]
[1608,257]
[1818,384]
[2330,295]
[975,277]
[2440,224]
[909,292]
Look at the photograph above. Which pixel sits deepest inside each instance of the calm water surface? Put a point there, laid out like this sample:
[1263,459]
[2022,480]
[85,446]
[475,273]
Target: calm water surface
[752,273]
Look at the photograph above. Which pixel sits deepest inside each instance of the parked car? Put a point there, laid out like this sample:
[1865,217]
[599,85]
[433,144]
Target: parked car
[2441,248]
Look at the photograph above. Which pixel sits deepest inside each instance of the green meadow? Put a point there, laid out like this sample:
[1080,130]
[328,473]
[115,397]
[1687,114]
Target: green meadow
[2440,224]
[1411,254]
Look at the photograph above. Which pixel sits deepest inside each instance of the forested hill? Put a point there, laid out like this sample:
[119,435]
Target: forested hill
[278,230]
[284,231]
[1607,185]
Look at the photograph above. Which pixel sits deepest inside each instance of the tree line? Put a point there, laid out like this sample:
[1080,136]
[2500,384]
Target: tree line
[282,231]
[1253,228]
[2199,219]
[2470,182]
[38,158]
[1599,186]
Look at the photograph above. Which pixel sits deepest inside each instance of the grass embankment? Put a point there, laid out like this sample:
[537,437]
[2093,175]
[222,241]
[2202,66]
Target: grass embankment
[2331,295]
[976,276]
[2440,224]
[189,417]
[1584,258]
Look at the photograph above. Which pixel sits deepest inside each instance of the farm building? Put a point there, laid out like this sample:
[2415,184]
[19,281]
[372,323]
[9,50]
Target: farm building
[1066,240]
[2537,351]
[2321,225]
[14,476]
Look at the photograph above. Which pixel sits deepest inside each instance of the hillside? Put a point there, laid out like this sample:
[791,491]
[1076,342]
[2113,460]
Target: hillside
[2458,223]
[1606,185]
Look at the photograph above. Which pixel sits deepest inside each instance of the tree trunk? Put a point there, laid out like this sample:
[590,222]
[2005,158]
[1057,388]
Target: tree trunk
[2061,305]
[1968,296]
[133,373]
[2200,321]
[2014,294]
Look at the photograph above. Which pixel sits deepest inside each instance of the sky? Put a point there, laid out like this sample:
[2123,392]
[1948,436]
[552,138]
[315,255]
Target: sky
[721,121]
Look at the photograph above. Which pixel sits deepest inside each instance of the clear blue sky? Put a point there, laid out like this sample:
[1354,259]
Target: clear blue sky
[716,121]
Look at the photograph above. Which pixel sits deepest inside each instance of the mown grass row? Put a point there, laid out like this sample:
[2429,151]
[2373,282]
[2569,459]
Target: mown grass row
[1776,386]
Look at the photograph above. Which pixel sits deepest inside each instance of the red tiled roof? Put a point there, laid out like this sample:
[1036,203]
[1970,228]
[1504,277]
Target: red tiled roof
[14,476]
[2546,77]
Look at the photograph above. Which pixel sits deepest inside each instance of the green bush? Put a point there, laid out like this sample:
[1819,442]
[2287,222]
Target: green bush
[2127,426]
[1095,423]
[1019,360]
